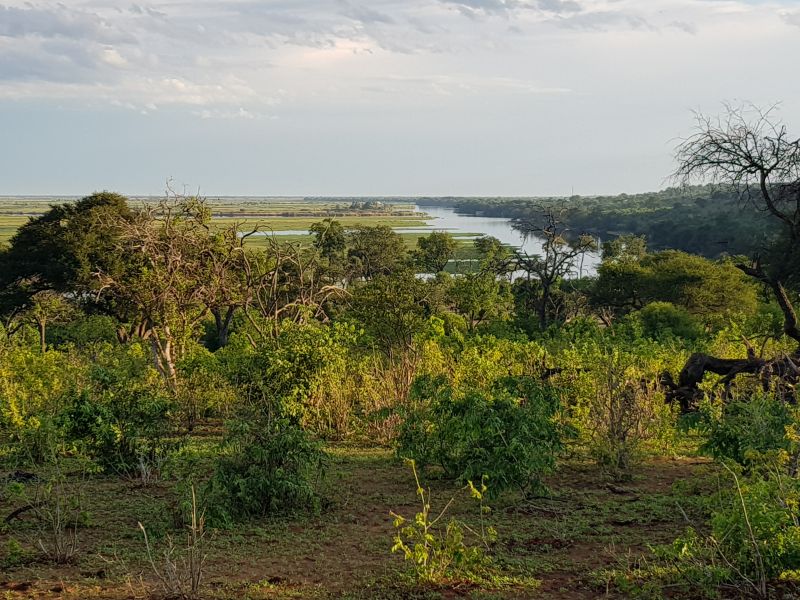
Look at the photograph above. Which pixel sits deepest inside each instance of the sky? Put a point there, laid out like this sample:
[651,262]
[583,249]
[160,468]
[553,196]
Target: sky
[376,97]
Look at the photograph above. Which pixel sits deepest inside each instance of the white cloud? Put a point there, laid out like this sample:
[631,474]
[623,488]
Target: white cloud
[792,17]
[227,55]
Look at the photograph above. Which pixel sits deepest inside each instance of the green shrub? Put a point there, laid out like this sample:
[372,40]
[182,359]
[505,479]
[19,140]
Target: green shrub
[307,369]
[753,543]
[203,389]
[745,428]
[267,465]
[35,388]
[757,528]
[14,554]
[123,433]
[626,412]
[663,319]
[508,434]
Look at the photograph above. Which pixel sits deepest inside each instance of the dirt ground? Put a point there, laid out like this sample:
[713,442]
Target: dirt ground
[550,548]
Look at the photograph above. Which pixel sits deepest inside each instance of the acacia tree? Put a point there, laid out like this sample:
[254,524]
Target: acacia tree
[61,249]
[52,260]
[750,151]
[559,257]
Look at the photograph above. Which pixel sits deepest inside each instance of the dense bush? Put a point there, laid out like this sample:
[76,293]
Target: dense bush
[267,465]
[753,545]
[664,320]
[745,428]
[123,433]
[626,412]
[34,389]
[757,528]
[509,433]
[121,417]
[311,370]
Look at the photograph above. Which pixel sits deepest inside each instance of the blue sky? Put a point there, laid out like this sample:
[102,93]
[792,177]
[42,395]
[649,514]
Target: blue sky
[378,97]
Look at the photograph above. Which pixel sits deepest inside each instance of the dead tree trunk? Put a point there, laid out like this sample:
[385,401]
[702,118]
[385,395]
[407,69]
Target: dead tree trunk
[687,391]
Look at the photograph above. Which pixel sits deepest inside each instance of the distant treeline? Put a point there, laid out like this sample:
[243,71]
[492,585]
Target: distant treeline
[702,220]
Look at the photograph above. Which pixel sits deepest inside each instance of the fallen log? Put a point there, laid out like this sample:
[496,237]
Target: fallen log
[687,391]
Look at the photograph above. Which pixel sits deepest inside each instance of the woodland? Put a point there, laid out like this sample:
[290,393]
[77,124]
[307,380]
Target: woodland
[185,413]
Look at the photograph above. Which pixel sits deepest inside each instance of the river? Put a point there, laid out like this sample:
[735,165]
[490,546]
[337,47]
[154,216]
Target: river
[446,219]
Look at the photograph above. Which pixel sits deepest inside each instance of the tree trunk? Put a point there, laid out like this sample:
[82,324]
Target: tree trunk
[164,359]
[542,308]
[141,329]
[41,325]
[223,324]
[790,326]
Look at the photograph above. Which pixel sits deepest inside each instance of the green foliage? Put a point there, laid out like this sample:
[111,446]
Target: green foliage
[622,416]
[83,331]
[745,428]
[704,288]
[434,251]
[625,248]
[374,251]
[330,238]
[307,369]
[661,320]
[267,466]
[436,554]
[753,544]
[495,257]
[757,528]
[508,433]
[394,310]
[480,297]
[34,390]
[614,401]
[123,430]
[121,418]
[204,390]
[14,554]
[61,249]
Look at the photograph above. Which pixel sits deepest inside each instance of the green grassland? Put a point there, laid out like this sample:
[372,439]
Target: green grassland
[9,225]
[264,215]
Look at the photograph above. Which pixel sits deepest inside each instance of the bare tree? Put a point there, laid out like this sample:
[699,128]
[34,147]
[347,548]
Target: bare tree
[751,151]
[284,282]
[559,257]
